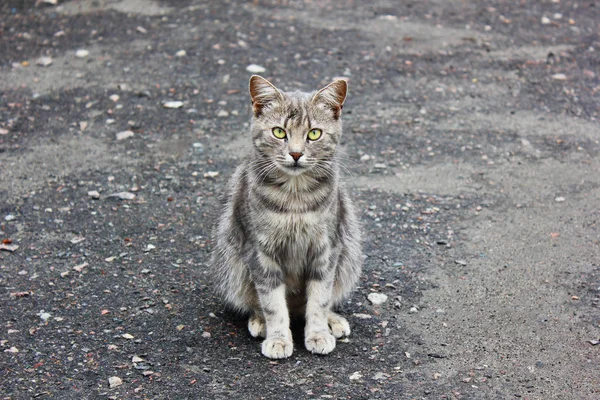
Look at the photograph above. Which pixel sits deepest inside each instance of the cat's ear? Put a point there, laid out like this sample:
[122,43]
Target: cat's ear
[262,93]
[333,96]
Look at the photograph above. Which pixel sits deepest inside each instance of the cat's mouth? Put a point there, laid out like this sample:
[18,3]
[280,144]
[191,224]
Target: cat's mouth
[294,169]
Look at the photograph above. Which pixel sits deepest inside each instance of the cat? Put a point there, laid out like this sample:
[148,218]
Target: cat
[288,241]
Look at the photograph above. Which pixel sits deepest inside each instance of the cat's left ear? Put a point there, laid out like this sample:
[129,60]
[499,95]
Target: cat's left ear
[333,96]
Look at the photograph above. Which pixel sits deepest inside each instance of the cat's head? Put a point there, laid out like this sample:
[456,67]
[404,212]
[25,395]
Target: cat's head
[296,132]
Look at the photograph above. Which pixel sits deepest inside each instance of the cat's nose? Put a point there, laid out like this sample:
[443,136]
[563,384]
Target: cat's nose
[295,156]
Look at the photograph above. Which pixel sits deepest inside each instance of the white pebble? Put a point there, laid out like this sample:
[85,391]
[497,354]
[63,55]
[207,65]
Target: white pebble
[355,376]
[124,135]
[545,20]
[44,315]
[173,104]
[559,77]
[377,298]
[114,381]
[44,61]
[181,53]
[255,69]
[82,53]
[123,195]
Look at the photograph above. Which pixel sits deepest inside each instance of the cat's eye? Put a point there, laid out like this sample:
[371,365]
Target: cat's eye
[314,134]
[279,133]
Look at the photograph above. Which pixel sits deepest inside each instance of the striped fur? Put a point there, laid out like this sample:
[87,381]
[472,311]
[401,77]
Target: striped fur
[288,241]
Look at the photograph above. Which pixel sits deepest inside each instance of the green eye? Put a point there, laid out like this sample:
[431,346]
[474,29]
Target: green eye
[279,133]
[314,134]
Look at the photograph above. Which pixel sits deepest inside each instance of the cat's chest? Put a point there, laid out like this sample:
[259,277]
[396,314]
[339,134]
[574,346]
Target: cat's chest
[294,225]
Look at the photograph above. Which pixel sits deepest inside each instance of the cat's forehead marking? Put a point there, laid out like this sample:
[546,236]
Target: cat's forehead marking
[297,112]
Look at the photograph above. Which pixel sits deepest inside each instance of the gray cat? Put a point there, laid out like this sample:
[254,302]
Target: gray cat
[288,241]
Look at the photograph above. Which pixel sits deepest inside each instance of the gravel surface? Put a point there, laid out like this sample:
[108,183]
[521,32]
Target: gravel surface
[471,144]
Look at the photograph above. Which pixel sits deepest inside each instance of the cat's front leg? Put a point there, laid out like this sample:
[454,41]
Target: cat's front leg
[317,335]
[271,290]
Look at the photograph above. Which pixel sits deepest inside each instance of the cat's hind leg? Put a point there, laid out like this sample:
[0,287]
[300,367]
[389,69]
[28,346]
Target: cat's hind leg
[338,325]
[257,326]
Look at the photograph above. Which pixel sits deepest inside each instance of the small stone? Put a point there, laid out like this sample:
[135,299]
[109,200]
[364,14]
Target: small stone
[83,125]
[559,77]
[211,174]
[123,195]
[114,381]
[365,157]
[94,194]
[377,298]
[8,247]
[222,114]
[586,72]
[460,262]
[44,315]
[77,239]
[114,97]
[173,104]
[181,53]
[44,61]
[180,327]
[13,350]
[82,53]
[356,376]
[413,310]
[3,131]
[124,135]
[574,297]
[362,316]
[594,342]
[145,271]
[546,21]
[560,199]
[136,359]
[127,336]
[437,376]
[10,217]
[255,69]
[206,335]
[112,347]
[150,247]
[141,29]
[80,267]
[110,259]
[379,376]
[147,373]
[379,166]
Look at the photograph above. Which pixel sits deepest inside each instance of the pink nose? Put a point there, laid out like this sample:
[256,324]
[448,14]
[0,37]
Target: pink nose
[295,156]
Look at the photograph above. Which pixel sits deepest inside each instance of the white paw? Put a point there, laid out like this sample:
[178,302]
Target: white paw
[319,342]
[277,347]
[338,325]
[257,327]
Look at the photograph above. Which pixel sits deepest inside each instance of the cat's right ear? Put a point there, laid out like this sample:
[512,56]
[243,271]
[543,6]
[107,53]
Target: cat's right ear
[262,93]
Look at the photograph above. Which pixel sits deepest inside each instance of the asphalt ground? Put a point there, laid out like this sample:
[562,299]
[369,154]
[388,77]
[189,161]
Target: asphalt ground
[471,149]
